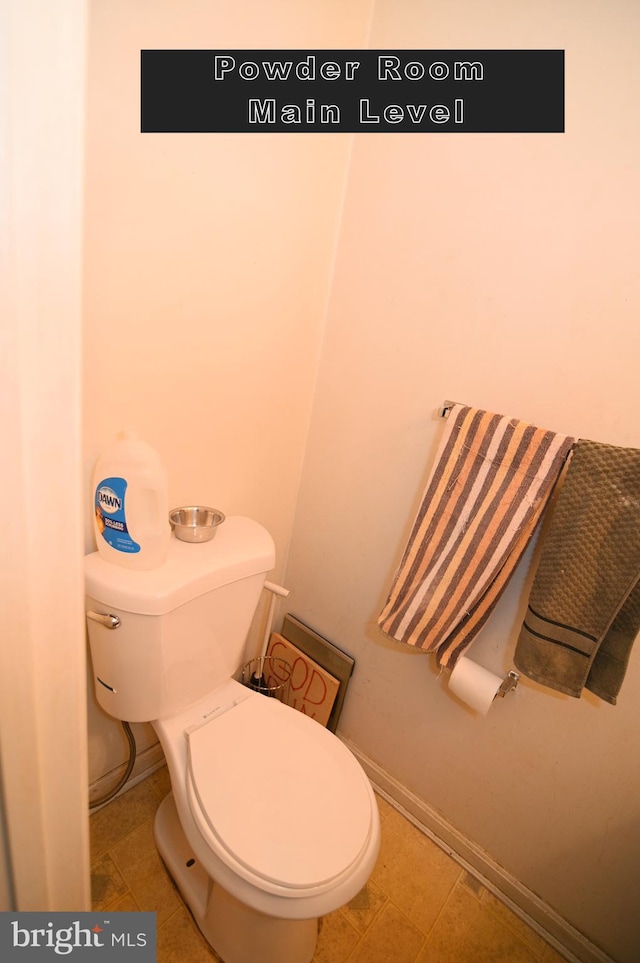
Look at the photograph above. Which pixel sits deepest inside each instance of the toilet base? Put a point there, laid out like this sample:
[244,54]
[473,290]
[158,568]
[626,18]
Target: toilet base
[236,932]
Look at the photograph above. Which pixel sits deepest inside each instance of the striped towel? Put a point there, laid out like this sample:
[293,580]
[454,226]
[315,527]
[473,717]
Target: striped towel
[492,479]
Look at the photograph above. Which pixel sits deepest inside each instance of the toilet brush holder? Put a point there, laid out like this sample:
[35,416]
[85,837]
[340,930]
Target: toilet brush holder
[269,675]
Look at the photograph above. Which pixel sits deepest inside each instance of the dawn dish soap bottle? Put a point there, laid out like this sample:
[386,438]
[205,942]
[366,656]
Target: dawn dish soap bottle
[131,504]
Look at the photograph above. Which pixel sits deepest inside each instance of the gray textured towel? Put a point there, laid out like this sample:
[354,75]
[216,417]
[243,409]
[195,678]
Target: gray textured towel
[584,607]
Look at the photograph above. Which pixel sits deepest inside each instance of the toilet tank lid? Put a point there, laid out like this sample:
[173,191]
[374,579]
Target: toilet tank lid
[240,548]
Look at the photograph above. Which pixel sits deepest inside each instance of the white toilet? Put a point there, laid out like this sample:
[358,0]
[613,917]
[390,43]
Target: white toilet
[271,822]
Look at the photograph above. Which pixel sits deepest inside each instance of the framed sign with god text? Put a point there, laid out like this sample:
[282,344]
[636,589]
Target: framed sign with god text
[311,689]
[325,655]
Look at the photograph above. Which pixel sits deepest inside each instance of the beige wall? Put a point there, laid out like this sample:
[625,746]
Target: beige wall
[207,263]
[499,271]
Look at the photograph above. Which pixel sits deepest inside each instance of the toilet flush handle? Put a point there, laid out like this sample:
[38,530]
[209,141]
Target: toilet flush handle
[109,621]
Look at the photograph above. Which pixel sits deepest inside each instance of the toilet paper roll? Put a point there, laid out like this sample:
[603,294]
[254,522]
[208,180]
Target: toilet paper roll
[475,685]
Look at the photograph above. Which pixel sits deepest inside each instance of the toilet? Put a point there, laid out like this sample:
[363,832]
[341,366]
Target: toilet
[271,821]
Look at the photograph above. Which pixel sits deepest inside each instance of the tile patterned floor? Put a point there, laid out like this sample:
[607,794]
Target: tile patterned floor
[418,907]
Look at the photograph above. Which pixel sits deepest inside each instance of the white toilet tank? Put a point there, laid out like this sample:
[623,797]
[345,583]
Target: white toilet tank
[181,628]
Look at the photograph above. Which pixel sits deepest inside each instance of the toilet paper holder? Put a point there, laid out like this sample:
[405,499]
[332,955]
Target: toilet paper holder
[508,683]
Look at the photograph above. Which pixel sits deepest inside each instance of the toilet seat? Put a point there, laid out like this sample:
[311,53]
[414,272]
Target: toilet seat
[278,797]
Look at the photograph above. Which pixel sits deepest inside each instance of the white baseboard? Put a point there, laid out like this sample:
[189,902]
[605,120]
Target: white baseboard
[146,762]
[567,940]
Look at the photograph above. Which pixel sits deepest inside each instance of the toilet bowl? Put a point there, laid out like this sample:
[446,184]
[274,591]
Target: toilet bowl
[275,810]
[271,821]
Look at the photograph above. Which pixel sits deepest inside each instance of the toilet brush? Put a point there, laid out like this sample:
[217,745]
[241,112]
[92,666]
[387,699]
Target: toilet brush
[258,679]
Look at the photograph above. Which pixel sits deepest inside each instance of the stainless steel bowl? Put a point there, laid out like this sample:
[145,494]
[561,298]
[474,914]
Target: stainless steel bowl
[195,523]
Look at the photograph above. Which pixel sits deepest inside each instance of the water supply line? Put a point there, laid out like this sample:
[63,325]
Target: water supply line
[132,758]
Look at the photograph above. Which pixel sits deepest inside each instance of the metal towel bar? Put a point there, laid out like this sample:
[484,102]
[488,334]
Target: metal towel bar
[445,408]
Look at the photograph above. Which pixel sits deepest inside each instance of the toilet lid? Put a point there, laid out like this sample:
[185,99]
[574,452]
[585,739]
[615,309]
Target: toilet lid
[279,794]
